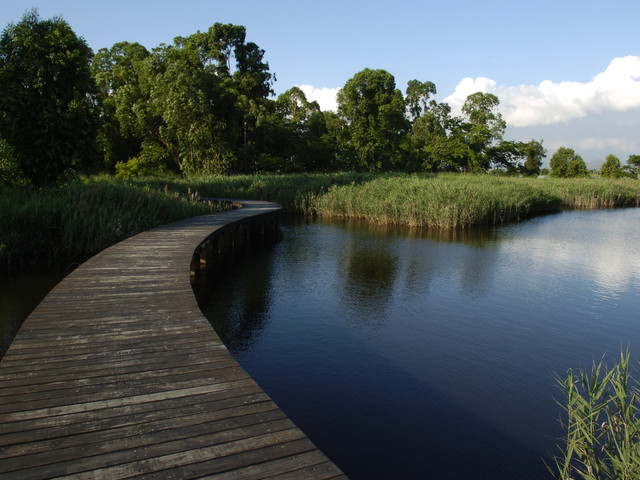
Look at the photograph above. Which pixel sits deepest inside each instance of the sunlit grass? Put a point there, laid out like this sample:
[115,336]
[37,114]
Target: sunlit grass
[602,424]
[54,227]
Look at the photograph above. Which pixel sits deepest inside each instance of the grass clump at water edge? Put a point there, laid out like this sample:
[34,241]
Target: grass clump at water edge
[602,424]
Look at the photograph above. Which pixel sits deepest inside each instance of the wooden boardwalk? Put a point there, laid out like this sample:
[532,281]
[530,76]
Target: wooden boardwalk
[117,374]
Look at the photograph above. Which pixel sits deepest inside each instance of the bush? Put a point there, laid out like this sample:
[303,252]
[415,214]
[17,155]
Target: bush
[151,161]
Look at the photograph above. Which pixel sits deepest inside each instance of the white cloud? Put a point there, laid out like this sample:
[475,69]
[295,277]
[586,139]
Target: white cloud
[326,97]
[617,89]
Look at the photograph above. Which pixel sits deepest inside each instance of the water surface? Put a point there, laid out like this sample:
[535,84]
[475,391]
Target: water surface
[404,354]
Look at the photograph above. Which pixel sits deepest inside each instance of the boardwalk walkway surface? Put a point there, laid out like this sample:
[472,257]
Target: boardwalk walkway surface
[117,374]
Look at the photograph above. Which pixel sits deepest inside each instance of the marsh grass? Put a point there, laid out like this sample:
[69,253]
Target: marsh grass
[55,227]
[61,226]
[433,201]
[602,424]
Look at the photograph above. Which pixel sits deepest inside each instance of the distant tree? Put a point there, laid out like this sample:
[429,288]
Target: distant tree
[566,163]
[611,167]
[633,166]
[49,104]
[374,110]
[417,97]
[437,142]
[484,130]
[534,153]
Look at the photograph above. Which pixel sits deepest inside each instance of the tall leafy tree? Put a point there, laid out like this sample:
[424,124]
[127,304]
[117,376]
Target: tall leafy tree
[534,153]
[119,73]
[566,163]
[611,167]
[417,97]
[303,132]
[194,105]
[437,141]
[484,130]
[374,110]
[49,104]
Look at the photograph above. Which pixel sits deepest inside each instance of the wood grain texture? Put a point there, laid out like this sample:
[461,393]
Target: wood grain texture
[117,374]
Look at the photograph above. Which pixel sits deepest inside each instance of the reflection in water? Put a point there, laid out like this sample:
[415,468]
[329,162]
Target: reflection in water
[369,280]
[241,310]
[412,354]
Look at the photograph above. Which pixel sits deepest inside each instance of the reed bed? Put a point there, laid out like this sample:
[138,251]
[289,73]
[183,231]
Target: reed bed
[58,227]
[445,201]
[54,227]
[437,202]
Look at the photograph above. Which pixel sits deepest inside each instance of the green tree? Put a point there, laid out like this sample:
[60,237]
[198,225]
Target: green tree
[611,167]
[49,104]
[633,166]
[417,97]
[566,163]
[534,153]
[374,110]
[484,131]
[437,141]
[304,133]
[119,73]
[192,106]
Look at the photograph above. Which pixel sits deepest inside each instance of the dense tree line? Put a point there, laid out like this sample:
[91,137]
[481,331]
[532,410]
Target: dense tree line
[204,104]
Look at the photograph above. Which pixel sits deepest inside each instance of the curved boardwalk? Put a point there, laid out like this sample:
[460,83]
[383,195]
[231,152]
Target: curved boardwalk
[117,374]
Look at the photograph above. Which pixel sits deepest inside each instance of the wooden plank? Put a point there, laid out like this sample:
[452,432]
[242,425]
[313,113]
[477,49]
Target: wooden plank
[117,374]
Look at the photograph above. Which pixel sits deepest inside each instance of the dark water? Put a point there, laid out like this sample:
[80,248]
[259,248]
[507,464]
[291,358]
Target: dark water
[404,355]
[19,295]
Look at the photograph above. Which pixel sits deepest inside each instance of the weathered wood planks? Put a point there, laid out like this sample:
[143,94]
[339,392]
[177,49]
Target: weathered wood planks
[117,374]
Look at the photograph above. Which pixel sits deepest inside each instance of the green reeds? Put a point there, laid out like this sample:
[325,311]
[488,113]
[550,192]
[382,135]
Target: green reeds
[602,424]
[59,226]
[433,201]
[443,201]
[54,226]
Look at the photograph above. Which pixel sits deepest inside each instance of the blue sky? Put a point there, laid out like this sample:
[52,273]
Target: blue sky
[566,72]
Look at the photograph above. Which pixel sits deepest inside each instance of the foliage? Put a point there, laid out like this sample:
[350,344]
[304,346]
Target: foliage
[374,111]
[10,173]
[199,99]
[48,107]
[566,163]
[611,167]
[425,200]
[602,424]
[632,168]
[55,227]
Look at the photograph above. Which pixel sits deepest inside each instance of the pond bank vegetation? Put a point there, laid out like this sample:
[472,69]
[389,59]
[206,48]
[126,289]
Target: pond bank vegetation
[55,227]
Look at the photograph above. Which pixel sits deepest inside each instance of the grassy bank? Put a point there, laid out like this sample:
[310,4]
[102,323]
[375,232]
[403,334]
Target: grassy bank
[433,201]
[459,201]
[57,227]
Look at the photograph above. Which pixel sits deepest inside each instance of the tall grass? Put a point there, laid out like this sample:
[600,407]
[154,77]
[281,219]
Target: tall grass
[57,227]
[295,192]
[602,424]
[443,201]
[51,227]
[433,201]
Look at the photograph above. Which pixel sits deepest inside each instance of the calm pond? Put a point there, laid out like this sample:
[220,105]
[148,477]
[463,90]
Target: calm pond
[417,355]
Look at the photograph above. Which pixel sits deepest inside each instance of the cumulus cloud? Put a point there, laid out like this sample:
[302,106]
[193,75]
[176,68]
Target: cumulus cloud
[326,97]
[617,89]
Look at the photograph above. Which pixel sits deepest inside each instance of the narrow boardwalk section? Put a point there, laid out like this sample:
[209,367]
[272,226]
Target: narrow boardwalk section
[117,374]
